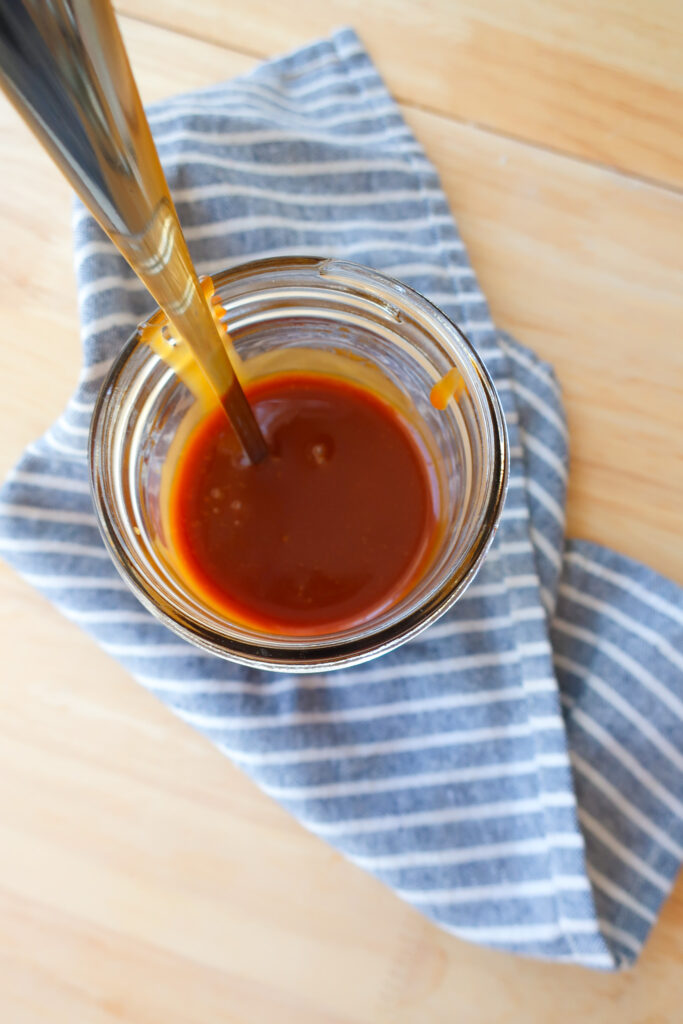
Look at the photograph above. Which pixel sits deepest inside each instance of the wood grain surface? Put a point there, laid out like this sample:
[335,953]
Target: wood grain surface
[602,79]
[143,878]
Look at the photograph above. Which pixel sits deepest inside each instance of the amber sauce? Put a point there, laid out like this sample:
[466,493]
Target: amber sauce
[328,531]
[450,386]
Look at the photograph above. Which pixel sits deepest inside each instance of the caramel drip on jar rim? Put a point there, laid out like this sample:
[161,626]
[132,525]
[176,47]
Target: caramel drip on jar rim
[177,354]
[450,386]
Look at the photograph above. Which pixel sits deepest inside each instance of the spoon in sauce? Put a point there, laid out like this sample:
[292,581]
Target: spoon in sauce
[64,67]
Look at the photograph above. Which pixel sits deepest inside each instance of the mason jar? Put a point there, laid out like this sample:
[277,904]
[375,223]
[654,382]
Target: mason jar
[289,314]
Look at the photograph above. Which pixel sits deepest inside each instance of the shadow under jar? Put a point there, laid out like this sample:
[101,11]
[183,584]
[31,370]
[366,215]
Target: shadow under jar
[307,315]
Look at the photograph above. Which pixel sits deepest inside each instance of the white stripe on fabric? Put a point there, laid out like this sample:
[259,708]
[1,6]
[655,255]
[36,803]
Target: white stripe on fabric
[417,779]
[518,582]
[510,547]
[326,60]
[596,828]
[80,406]
[546,499]
[619,895]
[547,723]
[620,657]
[304,169]
[344,79]
[541,407]
[508,891]
[521,582]
[395,138]
[52,547]
[545,547]
[628,622]
[469,854]
[49,481]
[515,936]
[540,370]
[106,323]
[631,586]
[290,120]
[345,86]
[245,225]
[67,582]
[628,809]
[620,935]
[512,807]
[547,684]
[332,55]
[347,81]
[72,428]
[470,326]
[547,600]
[537,649]
[516,480]
[98,247]
[336,201]
[530,614]
[111,616]
[583,959]
[251,90]
[350,677]
[94,371]
[624,707]
[453,297]
[543,452]
[66,449]
[383,244]
[109,282]
[426,741]
[431,270]
[242,99]
[48,515]
[376,711]
[463,626]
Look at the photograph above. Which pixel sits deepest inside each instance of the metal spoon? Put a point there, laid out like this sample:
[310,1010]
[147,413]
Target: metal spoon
[64,67]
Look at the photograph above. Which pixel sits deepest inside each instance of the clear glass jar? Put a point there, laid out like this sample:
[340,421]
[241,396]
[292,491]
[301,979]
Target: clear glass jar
[293,313]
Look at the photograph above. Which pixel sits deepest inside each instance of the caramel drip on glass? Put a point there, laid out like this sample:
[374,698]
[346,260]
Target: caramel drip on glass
[450,386]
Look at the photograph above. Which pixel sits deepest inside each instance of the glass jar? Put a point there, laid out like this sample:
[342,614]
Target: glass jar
[296,313]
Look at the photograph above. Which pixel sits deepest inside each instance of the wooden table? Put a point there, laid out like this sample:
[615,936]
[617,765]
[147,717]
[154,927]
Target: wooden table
[142,878]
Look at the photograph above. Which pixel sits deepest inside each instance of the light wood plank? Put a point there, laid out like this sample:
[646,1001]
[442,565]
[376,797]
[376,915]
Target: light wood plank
[112,911]
[601,79]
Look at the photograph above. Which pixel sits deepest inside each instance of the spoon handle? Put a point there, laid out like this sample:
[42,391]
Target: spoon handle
[65,68]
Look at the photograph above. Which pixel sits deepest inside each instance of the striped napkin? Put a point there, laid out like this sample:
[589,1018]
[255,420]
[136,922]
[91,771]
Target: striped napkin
[516,772]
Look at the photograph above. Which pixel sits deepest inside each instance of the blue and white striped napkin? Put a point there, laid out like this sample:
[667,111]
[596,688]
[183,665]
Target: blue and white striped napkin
[516,772]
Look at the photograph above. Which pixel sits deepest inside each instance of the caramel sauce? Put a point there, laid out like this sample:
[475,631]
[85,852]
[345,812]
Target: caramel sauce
[450,386]
[333,528]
